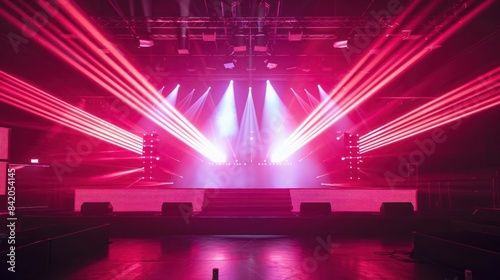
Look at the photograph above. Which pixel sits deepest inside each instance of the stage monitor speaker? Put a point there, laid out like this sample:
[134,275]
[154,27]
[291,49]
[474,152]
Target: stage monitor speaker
[397,209]
[96,209]
[177,209]
[315,209]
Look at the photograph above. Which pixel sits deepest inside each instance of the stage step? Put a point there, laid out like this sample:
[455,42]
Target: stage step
[247,202]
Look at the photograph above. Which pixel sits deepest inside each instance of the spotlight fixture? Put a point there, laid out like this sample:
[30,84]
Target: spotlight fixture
[270,64]
[340,44]
[145,42]
[229,65]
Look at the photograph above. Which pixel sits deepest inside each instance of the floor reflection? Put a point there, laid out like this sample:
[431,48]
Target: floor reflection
[258,257]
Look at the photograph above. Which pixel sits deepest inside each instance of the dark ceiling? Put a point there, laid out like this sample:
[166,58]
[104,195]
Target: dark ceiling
[310,56]
[297,37]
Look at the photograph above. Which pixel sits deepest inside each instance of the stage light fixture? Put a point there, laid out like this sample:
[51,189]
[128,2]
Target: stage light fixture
[150,155]
[229,65]
[351,156]
[340,44]
[183,45]
[270,64]
[145,42]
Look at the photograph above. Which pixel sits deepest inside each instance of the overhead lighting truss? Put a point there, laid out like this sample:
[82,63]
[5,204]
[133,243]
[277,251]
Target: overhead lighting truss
[244,23]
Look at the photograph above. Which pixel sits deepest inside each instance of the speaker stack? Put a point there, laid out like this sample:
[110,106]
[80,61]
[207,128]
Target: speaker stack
[177,209]
[397,209]
[96,209]
[315,209]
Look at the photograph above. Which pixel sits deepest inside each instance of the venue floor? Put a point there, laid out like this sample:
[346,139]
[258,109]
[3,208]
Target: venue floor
[256,257]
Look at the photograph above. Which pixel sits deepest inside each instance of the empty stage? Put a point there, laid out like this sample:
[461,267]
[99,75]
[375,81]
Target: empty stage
[151,200]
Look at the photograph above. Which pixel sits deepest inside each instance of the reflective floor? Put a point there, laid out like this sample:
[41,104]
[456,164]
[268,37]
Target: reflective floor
[256,257]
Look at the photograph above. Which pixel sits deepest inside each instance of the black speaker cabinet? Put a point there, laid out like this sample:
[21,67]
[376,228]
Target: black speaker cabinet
[96,209]
[177,209]
[315,209]
[397,209]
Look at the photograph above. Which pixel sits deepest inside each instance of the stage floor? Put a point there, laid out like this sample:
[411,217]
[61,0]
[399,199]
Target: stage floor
[256,257]
[151,200]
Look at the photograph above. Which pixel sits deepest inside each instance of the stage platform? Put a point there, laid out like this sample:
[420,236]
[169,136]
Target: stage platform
[151,200]
[263,211]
